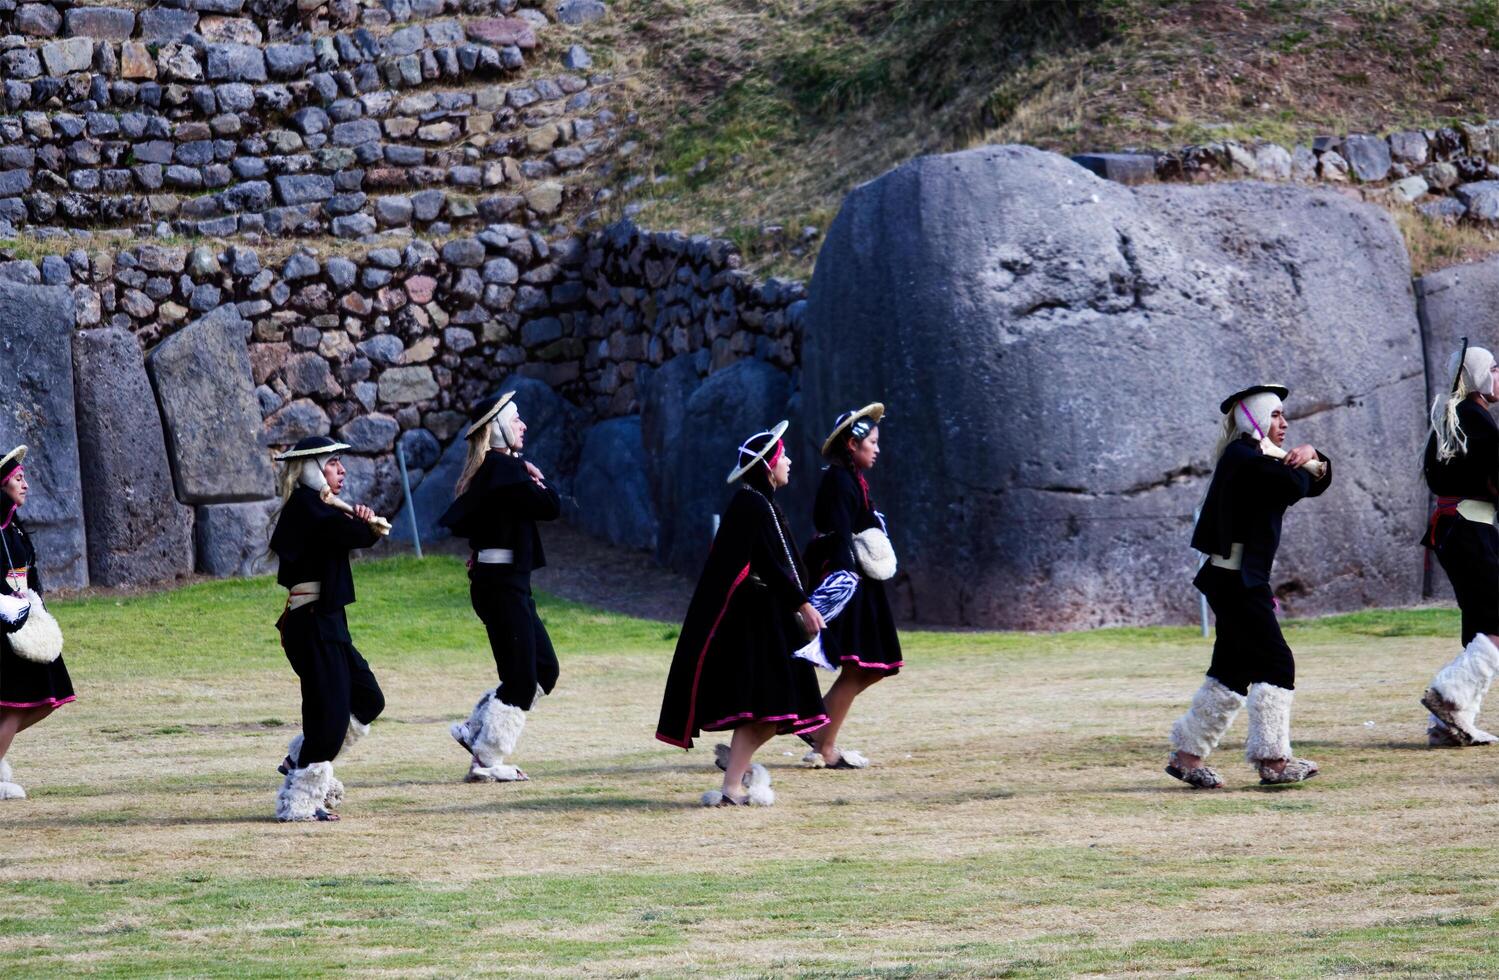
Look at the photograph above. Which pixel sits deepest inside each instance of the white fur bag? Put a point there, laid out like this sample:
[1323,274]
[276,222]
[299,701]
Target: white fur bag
[874,553]
[40,640]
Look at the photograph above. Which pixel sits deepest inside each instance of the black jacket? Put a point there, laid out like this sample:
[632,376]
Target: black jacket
[842,509]
[500,509]
[1246,501]
[1473,474]
[313,541]
[22,554]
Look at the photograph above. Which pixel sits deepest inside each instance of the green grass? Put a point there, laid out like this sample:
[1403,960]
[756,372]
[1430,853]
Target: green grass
[1017,823]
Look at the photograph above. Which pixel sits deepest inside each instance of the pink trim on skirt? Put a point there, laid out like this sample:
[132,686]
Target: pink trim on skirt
[49,702]
[859,663]
[799,723]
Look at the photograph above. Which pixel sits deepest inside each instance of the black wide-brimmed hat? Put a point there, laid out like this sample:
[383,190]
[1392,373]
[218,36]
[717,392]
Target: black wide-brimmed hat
[11,461]
[754,449]
[874,411]
[486,410]
[313,446]
[1279,391]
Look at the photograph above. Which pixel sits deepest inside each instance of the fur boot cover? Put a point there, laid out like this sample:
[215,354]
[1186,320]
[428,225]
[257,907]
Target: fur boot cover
[1463,684]
[1213,710]
[9,790]
[490,734]
[304,792]
[354,733]
[1269,724]
[756,783]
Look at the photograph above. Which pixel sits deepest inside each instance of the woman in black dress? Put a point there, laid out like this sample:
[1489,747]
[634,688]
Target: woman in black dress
[733,667]
[1462,470]
[860,640]
[340,696]
[500,497]
[31,688]
[1239,531]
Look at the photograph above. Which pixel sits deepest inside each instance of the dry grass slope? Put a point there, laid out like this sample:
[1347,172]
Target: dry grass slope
[1018,823]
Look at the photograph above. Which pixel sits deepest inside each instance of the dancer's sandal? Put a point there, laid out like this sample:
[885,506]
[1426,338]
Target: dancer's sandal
[723,800]
[848,759]
[1197,777]
[287,765]
[1442,736]
[324,816]
[1446,712]
[1295,771]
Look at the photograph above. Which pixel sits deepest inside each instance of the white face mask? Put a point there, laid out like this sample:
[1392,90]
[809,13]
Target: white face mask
[312,473]
[1478,371]
[502,434]
[1256,421]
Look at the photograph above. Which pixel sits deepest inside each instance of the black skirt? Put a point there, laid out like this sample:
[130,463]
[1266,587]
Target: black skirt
[744,673]
[28,684]
[863,634]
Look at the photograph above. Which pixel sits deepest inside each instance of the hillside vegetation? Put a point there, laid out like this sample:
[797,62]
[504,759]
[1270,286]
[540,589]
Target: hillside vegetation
[755,117]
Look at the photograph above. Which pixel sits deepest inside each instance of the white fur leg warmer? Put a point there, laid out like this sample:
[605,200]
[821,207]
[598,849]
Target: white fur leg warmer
[760,793]
[1213,710]
[9,789]
[491,733]
[1464,681]
[354,733]
[304,792]
[1269,723]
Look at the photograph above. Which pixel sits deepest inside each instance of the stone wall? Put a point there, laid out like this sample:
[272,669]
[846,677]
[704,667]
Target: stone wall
[218,120]
[1449,173]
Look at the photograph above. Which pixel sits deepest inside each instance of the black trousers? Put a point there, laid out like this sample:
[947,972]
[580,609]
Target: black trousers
[1469,553]
[336,681]
[1249,647]
[523,653]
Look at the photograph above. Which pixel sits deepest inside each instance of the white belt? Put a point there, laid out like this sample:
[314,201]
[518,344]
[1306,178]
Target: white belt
[1478,511]
[303,594]
[495,556]
[1234,561]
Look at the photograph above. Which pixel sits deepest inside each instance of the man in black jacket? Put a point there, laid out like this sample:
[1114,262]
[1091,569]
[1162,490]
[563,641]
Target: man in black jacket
[1239,532]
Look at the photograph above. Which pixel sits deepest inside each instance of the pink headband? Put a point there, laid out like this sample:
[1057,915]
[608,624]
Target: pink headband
[775,457]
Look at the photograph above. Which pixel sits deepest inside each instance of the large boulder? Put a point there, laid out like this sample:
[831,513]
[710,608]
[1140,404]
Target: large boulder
[1053,348]
[212,420]
[137,531]
[731,405]
[612,493]
[233,539]
[432,497]
[36,408]
[664,393]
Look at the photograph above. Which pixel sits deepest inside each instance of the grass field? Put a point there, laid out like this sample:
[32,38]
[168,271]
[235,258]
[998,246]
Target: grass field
[1017,824]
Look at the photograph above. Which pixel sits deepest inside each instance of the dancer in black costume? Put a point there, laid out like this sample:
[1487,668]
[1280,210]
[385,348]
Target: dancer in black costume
[1239,530]
[1462,470]
[340,696]
[733,668]
[500,497]
[31,688]
[848,555]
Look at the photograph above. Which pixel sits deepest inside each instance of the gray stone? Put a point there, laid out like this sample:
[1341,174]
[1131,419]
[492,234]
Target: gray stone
[420,447]
[1408,148]
[1410,189]
[288,60]
[373,433]
[1126,168]
[611,489]
[731,405]
[556,427]
[383,348]
[576,58]
[74,54]
[1481,198]
[38,20]
[1014,500]
[233,539]
[37,410]
[1444,209]
[580,11]
[165,24]
[211,417]
[296,189]
[355,132]
[1272,162]
[295,421]
[404,385]
[234,63]
[464,253]
[102,23]
[1368,157]
[376,483]
[137,531]
[432,497]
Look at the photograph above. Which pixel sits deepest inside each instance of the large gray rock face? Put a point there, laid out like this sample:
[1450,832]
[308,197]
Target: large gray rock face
[233,539]
[613,495]
[1053,347]
[137,531]
[722,412]
[664,393]
[36,408]
[203,383]
[432,497]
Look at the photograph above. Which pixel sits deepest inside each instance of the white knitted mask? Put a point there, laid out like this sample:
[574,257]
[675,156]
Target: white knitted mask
[502,434]
[1478,370]
[1256,420]
[312,473]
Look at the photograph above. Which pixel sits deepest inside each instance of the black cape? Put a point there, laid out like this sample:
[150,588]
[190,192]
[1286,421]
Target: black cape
[1473,474]
[864,633]
[313,540]
[1246,502]
[733,661]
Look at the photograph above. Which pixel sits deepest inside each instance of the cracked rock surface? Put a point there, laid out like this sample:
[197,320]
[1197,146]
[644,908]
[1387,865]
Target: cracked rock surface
[1052,348]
